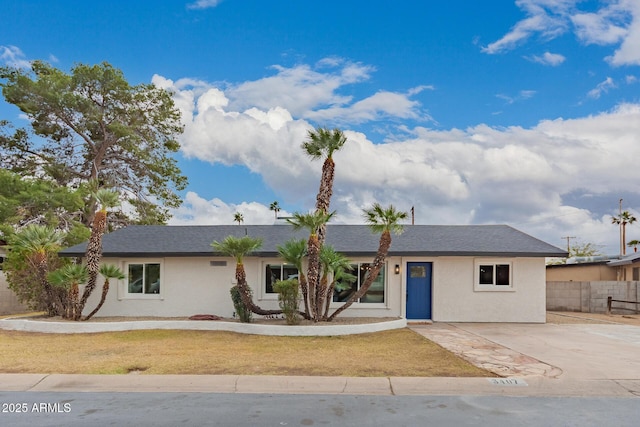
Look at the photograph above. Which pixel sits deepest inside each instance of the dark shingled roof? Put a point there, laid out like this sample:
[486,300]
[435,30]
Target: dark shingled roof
[354,240]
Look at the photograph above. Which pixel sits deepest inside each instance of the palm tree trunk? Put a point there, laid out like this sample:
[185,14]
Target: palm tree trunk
[103,298]
[313,274]
[323,199]
[328,300]
[305,293]
[378,262]
[245,293]
[94,254]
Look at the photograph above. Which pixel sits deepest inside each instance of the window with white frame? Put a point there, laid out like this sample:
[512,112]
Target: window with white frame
[376,292]
[143,278]
[275,272]
[493,275]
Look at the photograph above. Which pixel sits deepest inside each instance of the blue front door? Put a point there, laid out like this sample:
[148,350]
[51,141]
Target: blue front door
[418,290]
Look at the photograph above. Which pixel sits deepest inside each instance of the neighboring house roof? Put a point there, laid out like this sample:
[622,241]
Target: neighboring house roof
[355,240]
[625,260]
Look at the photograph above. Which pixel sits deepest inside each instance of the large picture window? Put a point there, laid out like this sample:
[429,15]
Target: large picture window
[375,294]
[275,272]
[492,275]
[143,278]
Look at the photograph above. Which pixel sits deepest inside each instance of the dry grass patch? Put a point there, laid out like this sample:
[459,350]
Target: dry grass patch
[399,352]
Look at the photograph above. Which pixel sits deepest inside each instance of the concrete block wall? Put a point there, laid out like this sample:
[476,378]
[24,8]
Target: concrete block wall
[591,297]
[9,303]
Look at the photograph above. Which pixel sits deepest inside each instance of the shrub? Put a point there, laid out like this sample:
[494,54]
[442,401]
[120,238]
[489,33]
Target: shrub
[243,312]
[289,298]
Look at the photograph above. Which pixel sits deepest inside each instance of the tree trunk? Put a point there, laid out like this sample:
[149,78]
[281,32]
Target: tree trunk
[94,254]
[378,262]
[305,292]
[245,294]
[313,274]
[103,298]
[323,199]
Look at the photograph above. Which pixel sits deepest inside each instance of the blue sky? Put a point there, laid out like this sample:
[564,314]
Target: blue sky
[521,112]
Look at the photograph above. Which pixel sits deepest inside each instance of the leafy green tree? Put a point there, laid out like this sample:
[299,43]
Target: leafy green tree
[384,221]
[25,201]
[91,124]
[238,248]
[634,244]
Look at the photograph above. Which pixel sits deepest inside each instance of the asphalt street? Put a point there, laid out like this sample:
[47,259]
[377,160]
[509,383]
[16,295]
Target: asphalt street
[211,409]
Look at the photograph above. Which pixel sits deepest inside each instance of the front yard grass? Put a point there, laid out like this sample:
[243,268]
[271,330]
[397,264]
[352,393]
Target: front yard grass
[399,352]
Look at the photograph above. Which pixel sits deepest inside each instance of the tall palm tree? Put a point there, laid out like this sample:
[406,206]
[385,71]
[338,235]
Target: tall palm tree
[293,252]
[238,248]
[238,217]
[622,220]
[334,265]
[70,277]
[108,271]
[37,242]
[384,221]
[275,207]
[105,199]
[312,222]
[323,142]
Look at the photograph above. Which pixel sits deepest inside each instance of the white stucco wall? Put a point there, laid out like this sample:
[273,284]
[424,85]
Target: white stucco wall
[190,285]
[456,300]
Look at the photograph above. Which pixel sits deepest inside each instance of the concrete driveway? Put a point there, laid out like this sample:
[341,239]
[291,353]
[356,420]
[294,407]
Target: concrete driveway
[581,359]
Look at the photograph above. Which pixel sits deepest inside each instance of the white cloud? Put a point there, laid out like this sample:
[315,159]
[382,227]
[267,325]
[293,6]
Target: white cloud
[602,87]
[615,22]
[532,178]
[14,57]
[198,211]
[547,58]
[203,4]
[521,96]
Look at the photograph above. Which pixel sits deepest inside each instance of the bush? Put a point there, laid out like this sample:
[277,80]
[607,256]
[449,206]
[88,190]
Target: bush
[289,298]
[244,314]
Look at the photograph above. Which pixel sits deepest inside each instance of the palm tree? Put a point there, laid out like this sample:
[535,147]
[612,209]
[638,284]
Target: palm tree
[334,265]
[37,242]
[634,244]
[275,207]
[238,217]
[239,247]
[293,252]
[312,222]
[622,220]
[70,277]
[323,142]
[383,221]
[106,199]
[108,271]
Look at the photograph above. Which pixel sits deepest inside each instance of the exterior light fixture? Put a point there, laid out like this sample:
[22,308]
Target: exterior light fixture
[397,269]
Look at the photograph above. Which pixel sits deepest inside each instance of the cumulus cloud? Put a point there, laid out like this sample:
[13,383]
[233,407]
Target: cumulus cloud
[547,58]
[616,22]
[536,178]
[196,210]
[14,57]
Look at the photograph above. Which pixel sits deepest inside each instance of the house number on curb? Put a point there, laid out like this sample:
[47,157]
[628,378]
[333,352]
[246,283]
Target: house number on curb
[508,381]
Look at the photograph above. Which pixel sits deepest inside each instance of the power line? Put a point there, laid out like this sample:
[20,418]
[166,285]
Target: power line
[568,241]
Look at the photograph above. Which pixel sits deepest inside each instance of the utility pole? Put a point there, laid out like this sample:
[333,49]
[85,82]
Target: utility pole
[620,230]
[413,215]
[568,240]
